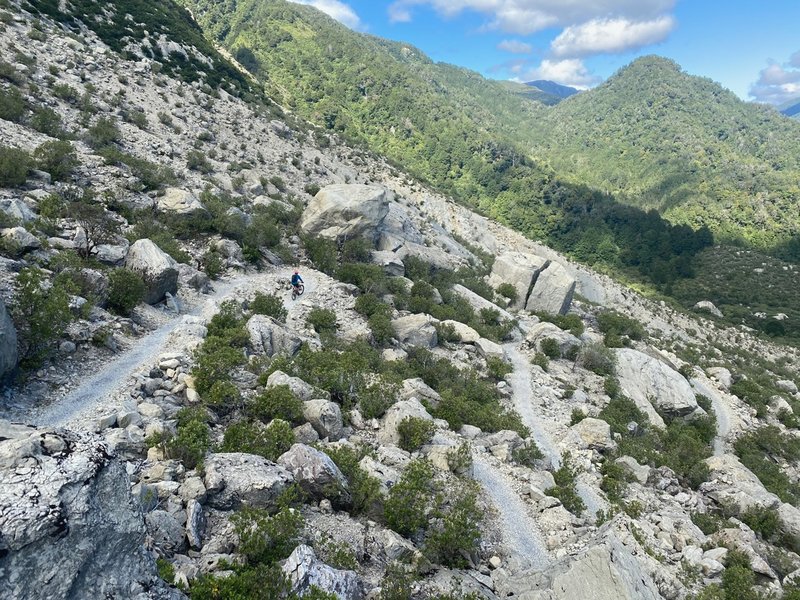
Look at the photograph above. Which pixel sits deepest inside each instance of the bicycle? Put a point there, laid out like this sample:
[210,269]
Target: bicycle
[297,290]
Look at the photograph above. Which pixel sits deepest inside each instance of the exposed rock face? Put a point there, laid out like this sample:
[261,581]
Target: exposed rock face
[325,417]
[156,267]
[304,570]
[416,330]
[489,349]
[316,474]
[466,334]
[181,202]
[417,388]
[539,332]
[8,342]
[479,302]
[648,381]
[552,292]
[236,479]
[268,336]
[21,240]
[595,433]
[606,571]
[734,486]
[520,270]
[69,527]
[347,210]
[709,307]
[17,209]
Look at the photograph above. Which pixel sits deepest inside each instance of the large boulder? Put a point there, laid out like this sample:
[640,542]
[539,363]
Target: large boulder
[649,382]
[342,211]
[325,417]
[268,336]
[158,269]
[520,270]
[543,330]
[395,415]
[181,202]
[69,527]
[479,303]
[19,240]
[735,487]
[553,291]
[416,330]
[303,570]
[417,388]
[595,433]
[316,474]
[235,479]
[8,342]
[301,389]
[17,209]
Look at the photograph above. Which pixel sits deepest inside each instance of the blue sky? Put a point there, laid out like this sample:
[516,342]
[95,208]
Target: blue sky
[750,47]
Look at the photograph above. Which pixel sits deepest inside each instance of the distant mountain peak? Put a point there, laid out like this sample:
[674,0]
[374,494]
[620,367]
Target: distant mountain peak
[553,88]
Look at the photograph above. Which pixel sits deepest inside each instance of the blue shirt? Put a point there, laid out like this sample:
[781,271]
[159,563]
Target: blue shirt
[296,279]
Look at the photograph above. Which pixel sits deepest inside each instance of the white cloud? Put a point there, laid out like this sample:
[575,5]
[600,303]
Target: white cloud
[570,72]
[523,17]
[777,84]
[515,47]
[334,8]
[610,36]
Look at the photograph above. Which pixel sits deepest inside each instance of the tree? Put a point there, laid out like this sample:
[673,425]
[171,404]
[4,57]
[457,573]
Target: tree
[98,225]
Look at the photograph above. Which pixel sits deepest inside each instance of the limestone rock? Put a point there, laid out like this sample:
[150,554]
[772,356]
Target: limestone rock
[417,388]
[69,527]
[347,210]
[316,474]
[325,417]
[395,415]
[543,330]
[269,337]
[304,570]
[21,240]
[416,330]
[553,291]
[156,267]
[17,209]
[8,342]
[489,349]
[479,303]
[520,270]
[391,264]
[709,307]
[195,524]
[595,433]
[734,486]
[301,389]
[168,535]
[465,333]
[648,382]
[633,468]
[181,202]
[235,479]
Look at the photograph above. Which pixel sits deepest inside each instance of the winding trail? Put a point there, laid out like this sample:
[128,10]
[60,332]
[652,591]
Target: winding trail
[520,534]
[721,411]
[114,379]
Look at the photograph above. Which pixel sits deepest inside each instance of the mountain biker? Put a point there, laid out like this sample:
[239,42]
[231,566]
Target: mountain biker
[296,281]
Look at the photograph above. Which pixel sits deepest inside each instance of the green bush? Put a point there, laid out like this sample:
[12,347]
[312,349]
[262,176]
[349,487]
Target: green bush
[380,324]
[415,432]
[357,250]
[760,449]
[196,161]
[455,531]
[213,264]
[126,290]
[550,348]
[364,488]
[497,367]
[193,438]
[615,480]
[14,165]
[311,189]
[763,521]
[56,157]
[541,360]
[323,320]
[508,291]
[708,523]
[527,454]
[47,121]
[375,399]
[253,438]
[103,134]
[369,304]
[569,322]
[566,487]
[322,252]
[223,397]
[368,277]
[619,330]
[214,361]
[277,402]
[12,104]
[598,359]
[270,305]
[409,500]
[265,538]
[576,416]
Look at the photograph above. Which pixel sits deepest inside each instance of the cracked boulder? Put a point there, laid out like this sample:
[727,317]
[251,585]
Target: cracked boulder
[344,211]
[518,269]
[157,268]
[304,569]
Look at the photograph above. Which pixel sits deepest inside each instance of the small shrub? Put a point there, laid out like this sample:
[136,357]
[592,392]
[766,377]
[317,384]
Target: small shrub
[763,521]
[270,305]
[598,359]
[708,523]
[126,290]
[252,438]
[566,487]
[550,348]
[459,459]
[527,454]
[277,402]
[14,165]
[497,367]
[196,161]
[47,121]
[265,538]
[364,488]
[507,290]
[406,507]
[323,320]
[57,157]
[192,440]
[414,433]
[103,134]
[576,416]
[541,360]
[455,531]
[311,189]
[619,330]
[213,264]
[381,327]
[376,399]
[41,313]
[12,104]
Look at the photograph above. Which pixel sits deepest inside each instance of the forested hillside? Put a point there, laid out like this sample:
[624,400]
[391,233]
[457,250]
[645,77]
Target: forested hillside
[659,138]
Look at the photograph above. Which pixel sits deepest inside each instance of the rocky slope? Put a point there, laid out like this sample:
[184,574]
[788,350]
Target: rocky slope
[551,438]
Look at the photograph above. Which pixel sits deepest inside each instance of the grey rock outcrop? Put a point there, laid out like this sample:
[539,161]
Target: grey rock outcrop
[156,267]
[69,527]
[325,417]
[316,474]
[416,330]
[553,291]
[20,240]
[395,415]
[181,202]
[347,210]
[648,382]
[417,388]
[520,270]
[301,389]
[479,303]
[304,570]
[17,209]
[268,336]
[9,354]
[235,479]
[543,330]
[595,433]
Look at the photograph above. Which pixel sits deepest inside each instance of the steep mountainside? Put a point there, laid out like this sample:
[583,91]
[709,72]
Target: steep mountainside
[791,108]
[553,88]
[660,138]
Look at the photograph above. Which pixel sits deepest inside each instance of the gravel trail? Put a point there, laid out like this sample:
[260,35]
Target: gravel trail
[721,411]
[114,381]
